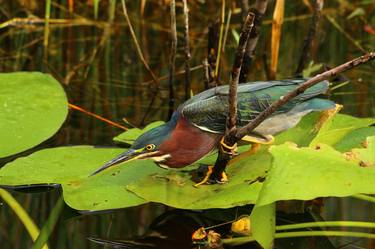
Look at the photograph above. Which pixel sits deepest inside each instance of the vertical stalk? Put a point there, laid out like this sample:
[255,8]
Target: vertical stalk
[318,6]
[278,18]
[187,50]
[46,28]
[259,10]
[222,20]
[172,56]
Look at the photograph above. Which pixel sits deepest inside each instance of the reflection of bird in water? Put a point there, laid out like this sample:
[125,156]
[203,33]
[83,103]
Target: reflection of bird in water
[197,126]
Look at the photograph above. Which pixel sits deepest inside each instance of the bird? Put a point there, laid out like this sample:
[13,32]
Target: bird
[198,125]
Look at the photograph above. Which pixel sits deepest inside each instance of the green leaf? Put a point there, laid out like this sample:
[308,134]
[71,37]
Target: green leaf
[129,136]
[356,12]
[33,106]
[311,69]
[303,133]
[336,128]
[354,139]
[175,188]
[263,224]
[71,167]
[307,173]
[366,155]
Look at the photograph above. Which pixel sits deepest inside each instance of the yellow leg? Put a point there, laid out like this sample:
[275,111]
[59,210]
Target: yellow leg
[224,177]
[254,149]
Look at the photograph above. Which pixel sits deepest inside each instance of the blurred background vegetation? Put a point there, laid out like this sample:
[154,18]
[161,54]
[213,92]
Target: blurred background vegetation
[87,46]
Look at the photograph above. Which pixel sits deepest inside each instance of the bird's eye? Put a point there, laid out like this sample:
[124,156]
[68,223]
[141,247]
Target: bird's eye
[150,147]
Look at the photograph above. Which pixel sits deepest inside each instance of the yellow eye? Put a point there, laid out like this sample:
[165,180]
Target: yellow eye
[150,147]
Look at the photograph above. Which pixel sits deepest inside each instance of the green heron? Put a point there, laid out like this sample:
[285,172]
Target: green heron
[196,128]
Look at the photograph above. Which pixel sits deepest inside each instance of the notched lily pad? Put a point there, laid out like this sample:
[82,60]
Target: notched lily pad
[307,173]
[71,167]
[33,106]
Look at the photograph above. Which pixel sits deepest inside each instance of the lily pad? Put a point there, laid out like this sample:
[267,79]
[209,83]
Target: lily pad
[129,136]
[337,127]
[174,188]
[355,139]
[307,173]
[33,106]
[366,155]
[71,167]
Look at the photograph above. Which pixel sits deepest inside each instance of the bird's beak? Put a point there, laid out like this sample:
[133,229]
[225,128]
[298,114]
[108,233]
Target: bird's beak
[127,156]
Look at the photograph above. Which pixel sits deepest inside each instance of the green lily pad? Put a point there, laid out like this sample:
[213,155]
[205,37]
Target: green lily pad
[307,173]
[263,223]
[354,139]
[336,128]
[366,155]
[129,136]
[71,167]
[175,188]
[33,106]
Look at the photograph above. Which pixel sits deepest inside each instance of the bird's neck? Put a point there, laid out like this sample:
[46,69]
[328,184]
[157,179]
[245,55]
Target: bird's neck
[186,145]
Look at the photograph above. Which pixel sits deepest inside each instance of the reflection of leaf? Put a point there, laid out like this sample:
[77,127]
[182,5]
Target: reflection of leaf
[32,108]
[306,173]
[131,135]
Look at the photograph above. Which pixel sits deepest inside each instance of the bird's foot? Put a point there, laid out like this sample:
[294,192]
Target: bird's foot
[231,150]
[207,180]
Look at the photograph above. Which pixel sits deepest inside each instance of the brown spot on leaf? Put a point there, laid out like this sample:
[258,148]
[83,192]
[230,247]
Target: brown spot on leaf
[365,144]
[363,164]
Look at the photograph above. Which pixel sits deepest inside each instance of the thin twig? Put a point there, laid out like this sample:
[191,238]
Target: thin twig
[138,48]
[259,10]
[248,25]
[172,56]
[96,116]
[231,123]
[187,50]
[235,135]
[212,49]
[318,6]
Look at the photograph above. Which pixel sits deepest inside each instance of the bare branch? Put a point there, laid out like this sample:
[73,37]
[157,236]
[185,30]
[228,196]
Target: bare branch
[259,10]
[240,133]
[248,25]
[235,135]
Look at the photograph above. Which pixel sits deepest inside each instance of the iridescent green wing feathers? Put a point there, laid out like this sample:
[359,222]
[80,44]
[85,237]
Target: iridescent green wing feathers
[209,110]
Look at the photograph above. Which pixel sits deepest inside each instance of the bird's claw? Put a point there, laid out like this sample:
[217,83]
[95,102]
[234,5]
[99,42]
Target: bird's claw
[231,150]
[207,180]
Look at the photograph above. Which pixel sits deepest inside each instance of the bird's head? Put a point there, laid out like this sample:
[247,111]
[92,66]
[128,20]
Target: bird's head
[145,146]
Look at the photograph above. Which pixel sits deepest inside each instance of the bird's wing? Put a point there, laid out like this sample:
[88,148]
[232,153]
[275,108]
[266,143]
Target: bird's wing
[209,110]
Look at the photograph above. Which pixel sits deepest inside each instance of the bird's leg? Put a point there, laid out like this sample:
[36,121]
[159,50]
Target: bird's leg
[206,179]
[220,175]
[253,149]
